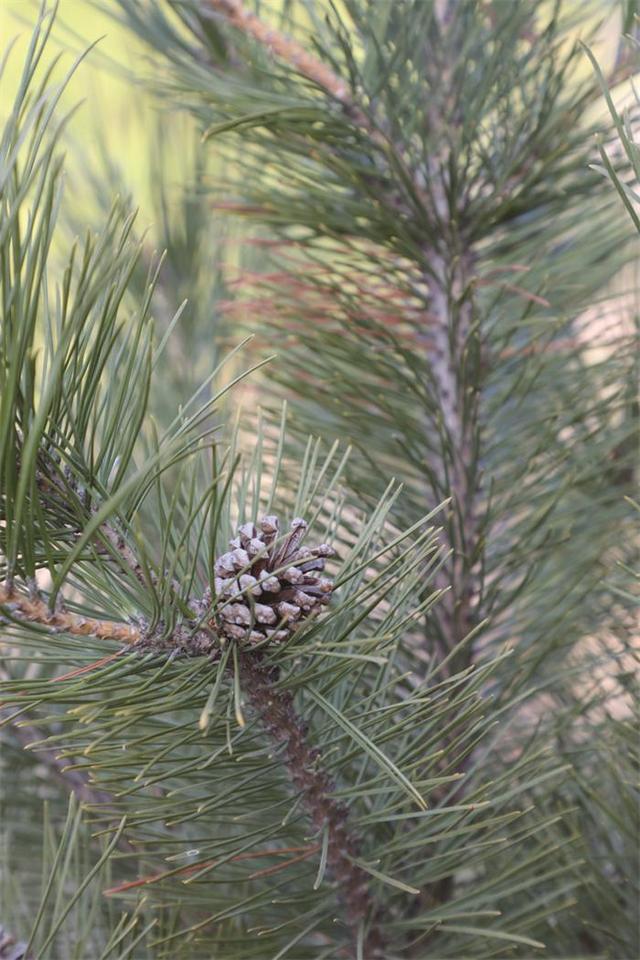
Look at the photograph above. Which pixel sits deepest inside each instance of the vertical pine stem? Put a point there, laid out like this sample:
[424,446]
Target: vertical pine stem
[303,763]
[455,368]
[454,346]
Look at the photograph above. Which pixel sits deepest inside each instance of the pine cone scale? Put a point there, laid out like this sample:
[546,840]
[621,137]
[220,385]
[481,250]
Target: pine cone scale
[267,585]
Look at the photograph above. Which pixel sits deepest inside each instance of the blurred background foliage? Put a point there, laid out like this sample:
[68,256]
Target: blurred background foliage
[123,140]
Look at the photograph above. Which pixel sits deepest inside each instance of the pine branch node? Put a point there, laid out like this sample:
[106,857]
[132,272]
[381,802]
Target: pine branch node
[34,610]
[288,730]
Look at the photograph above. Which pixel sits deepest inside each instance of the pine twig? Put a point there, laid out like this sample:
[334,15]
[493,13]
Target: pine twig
[449,277]
[285,48]
[50,481]
[455,365]
[295,569]
[121,547]
[456,473]
[284,726]
[296,56]
[34,610]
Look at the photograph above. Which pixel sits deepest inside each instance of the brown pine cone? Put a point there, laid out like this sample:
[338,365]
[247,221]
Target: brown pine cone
[268,585]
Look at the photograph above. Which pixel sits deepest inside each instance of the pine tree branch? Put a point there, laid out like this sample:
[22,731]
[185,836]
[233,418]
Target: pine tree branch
[285,48]
[34,610]
[450,342]
[455,364]
[122,548]
[285,727]
[451,352]
[296,56]
[282,724]
[50,481]
[275,708]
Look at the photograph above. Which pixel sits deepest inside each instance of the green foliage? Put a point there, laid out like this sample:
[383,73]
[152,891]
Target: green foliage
[192,240]
[60,902]
[431,269]
[463,144]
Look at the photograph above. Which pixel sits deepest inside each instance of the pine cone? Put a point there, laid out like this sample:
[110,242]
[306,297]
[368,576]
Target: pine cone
[267,585]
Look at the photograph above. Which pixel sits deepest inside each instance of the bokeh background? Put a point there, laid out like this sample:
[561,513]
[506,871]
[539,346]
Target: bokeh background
[122,140]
